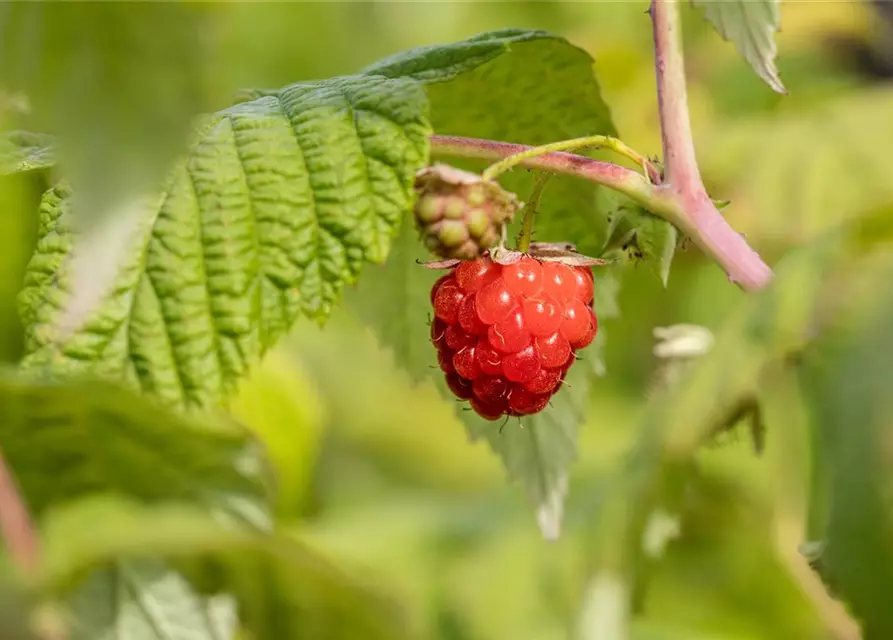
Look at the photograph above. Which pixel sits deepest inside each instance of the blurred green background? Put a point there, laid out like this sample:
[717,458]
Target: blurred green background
[379,470]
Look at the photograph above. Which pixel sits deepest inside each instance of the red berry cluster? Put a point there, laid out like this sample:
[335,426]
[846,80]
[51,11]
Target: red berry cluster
[507,335]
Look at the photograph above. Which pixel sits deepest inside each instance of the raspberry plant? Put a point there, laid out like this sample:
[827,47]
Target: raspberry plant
[507,334]
[125,479]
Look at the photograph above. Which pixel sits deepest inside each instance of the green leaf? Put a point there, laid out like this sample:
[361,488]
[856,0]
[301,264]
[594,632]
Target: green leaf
[22,151]
[278,205]
[441,63]
[785,197]
[143,599]
[657,238]
[118,85]
[283,588]
[751,26]
[636,230]
[69,440]
[394,300]
[538,450]
[845,375]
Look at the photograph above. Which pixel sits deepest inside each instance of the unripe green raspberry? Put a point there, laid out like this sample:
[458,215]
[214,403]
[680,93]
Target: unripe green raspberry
[458,214]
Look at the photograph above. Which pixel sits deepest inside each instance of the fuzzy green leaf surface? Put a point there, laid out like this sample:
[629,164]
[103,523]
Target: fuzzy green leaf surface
[750,25]
[277,206]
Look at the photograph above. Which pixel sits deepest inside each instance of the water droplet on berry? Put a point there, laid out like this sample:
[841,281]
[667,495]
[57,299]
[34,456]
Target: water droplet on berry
[575,323]
[494,302]
[523,278]
[490,389]
[541,315]
[459,386]
[466,364]
[489,359]
[473,275]
[559,281]
[510,334]
[521,366]
[468,317]
[447,301]
[545,381]
[456,339]
[554,350]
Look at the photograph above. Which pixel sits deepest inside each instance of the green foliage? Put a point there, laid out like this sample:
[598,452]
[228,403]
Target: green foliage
[845,372]
[279,203]
[99,438]
[538,450]
[22,151]
[118,84]
[14,608]
[751,26]
[282,587]
[145,600]
[278,402]
[528,87]
[787,197]
[74,439]
[158,523]
[637,234]
[541,89]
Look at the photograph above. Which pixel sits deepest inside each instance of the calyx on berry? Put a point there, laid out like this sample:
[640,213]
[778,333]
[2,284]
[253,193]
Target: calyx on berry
[459,214]
[507,326]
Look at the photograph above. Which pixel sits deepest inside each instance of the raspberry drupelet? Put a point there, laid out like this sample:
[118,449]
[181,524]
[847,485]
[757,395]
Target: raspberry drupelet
[506,335]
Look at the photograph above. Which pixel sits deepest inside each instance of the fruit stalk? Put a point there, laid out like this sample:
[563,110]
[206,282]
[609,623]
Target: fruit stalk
[696,216]
[591,142]
[533,203]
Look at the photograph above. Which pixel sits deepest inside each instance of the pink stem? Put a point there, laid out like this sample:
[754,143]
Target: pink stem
[15,522]
[701,220]
[694,214]
[679,149]
[611,175]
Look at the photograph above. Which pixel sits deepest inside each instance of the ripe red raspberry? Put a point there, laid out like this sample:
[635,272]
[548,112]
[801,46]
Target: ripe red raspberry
[507,335]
